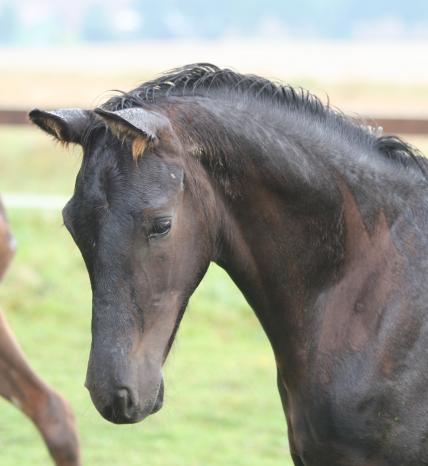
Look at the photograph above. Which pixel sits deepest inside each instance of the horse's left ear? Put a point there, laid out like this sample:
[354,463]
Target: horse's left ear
[66,124]
[142,126]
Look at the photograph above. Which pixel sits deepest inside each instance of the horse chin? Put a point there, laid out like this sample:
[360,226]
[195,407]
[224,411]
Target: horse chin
[159,399]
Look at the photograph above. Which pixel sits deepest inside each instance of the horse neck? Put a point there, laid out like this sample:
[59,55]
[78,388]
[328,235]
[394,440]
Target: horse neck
[281,255]
[285,229]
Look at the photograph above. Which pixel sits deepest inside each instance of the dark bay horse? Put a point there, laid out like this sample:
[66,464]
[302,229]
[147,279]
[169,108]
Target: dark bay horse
[22,387]
[321,222]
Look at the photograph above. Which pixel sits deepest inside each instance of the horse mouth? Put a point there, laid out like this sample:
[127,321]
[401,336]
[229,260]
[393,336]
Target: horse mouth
[157,405]
[159,399]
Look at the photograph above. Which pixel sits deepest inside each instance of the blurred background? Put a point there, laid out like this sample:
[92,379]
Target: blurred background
[221,405]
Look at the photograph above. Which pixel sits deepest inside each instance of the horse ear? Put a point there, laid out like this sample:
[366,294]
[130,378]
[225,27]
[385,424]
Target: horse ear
[66,124]
[142,126]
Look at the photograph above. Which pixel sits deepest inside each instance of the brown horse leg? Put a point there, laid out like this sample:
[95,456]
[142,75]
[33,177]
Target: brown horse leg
[49,412]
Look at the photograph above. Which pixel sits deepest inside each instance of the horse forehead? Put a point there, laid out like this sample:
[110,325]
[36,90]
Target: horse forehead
[108,168]
[142,184]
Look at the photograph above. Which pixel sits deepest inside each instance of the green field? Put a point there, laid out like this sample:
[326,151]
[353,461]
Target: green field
[221,404]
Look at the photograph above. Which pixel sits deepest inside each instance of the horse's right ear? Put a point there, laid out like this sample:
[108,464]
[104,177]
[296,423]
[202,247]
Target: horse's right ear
[66,124]
[140,125]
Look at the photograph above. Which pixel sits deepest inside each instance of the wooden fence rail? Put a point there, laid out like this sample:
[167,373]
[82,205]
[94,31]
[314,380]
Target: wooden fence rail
[389,125]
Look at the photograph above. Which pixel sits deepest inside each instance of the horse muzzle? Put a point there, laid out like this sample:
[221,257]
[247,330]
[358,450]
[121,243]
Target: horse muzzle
[124,375]
[126,404]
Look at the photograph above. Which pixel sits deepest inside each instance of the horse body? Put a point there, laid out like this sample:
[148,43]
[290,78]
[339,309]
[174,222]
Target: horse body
[320,222]
[351,351]
[339,286]
[50,413]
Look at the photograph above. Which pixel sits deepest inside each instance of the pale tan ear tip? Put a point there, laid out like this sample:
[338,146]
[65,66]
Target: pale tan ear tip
[139,145]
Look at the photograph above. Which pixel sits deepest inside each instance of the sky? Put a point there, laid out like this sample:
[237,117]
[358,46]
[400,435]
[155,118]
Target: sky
[56,22]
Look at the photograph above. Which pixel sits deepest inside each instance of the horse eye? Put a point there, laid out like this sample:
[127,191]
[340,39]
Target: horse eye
[160,227]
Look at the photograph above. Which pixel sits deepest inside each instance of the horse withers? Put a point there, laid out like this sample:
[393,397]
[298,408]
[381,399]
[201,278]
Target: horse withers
[50,413]
[320,221]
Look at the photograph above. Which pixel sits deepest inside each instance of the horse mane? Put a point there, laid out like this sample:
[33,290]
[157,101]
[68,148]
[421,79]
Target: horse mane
[207,80]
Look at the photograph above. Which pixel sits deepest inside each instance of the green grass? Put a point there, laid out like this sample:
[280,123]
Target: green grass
[32,162]
[221,404]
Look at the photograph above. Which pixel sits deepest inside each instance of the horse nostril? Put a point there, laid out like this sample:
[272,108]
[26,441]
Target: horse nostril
[124,403]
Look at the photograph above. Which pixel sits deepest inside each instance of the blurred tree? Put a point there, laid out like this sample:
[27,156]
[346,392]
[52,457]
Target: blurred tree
[97,25]
[129,20]
[153,17]
[9,24]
